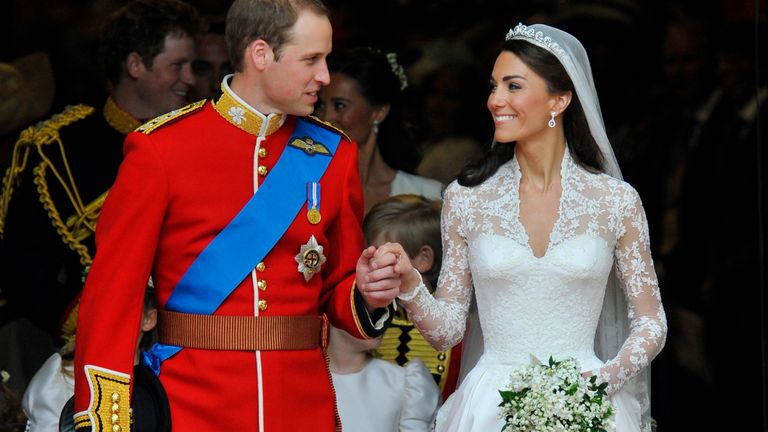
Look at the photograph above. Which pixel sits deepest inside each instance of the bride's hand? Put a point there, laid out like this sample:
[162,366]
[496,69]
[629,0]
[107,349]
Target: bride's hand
[394,254]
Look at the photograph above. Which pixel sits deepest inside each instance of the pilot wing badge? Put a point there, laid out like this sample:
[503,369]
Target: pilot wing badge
[310,146]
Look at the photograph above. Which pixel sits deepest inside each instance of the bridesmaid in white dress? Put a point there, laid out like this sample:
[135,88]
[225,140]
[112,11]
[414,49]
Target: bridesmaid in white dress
[374,395]
[547,239]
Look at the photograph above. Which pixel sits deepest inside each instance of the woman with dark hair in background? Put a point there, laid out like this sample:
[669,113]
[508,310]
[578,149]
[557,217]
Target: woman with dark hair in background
[365,99]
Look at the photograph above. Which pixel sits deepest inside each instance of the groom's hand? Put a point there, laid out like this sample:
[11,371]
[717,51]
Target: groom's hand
[377,278]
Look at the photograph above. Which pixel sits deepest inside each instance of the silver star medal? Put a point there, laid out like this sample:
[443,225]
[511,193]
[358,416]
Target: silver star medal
[310,258]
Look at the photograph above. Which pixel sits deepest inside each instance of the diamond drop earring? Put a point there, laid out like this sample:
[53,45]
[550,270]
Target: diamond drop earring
[551,122]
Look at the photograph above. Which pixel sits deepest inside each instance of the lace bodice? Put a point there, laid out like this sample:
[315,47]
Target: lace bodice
[549,305]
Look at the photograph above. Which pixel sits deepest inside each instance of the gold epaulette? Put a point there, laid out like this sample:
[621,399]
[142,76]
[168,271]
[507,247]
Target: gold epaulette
[47,131]
[327,126]
[39,135]
[170,117]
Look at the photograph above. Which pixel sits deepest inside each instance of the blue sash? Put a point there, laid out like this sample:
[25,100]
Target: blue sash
[247,239]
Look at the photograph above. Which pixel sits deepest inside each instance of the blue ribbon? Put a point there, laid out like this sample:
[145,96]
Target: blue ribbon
[247,239]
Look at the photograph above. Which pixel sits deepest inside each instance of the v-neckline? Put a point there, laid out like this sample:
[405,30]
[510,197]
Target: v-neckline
[558,217]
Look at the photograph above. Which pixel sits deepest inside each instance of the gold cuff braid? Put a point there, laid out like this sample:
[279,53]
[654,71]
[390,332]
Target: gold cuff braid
[110,399]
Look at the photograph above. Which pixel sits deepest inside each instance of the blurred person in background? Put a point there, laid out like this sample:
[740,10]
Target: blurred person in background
[62,168]
[364,99]
[212,62]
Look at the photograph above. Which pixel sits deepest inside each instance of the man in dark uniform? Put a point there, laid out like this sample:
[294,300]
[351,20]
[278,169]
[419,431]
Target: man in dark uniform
[62,168]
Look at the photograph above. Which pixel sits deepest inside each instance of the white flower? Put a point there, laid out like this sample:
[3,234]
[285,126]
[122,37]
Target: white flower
[237,114]
[554,397]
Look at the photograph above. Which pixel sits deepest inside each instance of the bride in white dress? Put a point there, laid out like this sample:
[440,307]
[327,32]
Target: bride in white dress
[547,239]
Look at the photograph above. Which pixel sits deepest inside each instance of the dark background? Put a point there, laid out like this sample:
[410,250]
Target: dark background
[712,373]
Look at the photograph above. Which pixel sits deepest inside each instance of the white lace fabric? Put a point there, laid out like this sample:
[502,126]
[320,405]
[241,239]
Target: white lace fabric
[549,305]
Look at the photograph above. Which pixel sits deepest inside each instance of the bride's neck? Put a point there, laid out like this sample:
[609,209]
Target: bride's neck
[540,161]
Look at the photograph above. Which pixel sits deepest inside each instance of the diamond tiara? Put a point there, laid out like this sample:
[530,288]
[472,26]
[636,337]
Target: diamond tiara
[523,32]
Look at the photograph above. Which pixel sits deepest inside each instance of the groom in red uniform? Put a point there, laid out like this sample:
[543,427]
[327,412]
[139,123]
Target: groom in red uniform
[247,215]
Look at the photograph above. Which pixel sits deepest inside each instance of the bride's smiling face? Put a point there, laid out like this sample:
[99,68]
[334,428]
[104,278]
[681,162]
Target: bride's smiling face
[519,100]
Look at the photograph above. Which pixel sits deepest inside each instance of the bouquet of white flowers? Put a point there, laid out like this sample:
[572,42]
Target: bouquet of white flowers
[555,397]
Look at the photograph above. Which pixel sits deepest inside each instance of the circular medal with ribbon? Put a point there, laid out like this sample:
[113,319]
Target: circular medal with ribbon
[313,203]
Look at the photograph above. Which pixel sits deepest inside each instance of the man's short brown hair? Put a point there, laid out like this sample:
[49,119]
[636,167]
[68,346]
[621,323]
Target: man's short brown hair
[269,20]
[141,26]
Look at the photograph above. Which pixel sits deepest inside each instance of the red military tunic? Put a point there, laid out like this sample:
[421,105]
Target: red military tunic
[181,182]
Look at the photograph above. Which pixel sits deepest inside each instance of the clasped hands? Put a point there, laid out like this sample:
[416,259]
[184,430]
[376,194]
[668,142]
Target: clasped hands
[383,272]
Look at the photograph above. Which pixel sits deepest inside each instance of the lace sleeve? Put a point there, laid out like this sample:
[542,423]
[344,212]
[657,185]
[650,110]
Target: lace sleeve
[637,277]
[442,318]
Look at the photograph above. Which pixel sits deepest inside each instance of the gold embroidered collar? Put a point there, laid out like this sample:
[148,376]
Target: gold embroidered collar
[119,119]
[239,113]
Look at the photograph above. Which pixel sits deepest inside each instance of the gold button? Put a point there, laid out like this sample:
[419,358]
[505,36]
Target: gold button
[262,305]
[262,284]
[116,428]
[115,408]
[114,418]
[260,266]
[263,170]
[440,368]
[262,152]
[115,397]
[441,356]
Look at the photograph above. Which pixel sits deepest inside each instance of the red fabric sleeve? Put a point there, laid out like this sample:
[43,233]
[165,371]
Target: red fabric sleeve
[126,238]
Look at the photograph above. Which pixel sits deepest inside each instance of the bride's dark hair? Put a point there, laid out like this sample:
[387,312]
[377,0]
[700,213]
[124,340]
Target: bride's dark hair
[581,144]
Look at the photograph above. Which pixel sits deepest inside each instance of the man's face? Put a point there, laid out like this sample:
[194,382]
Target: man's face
[291,83]
[164,86]
[210,66]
